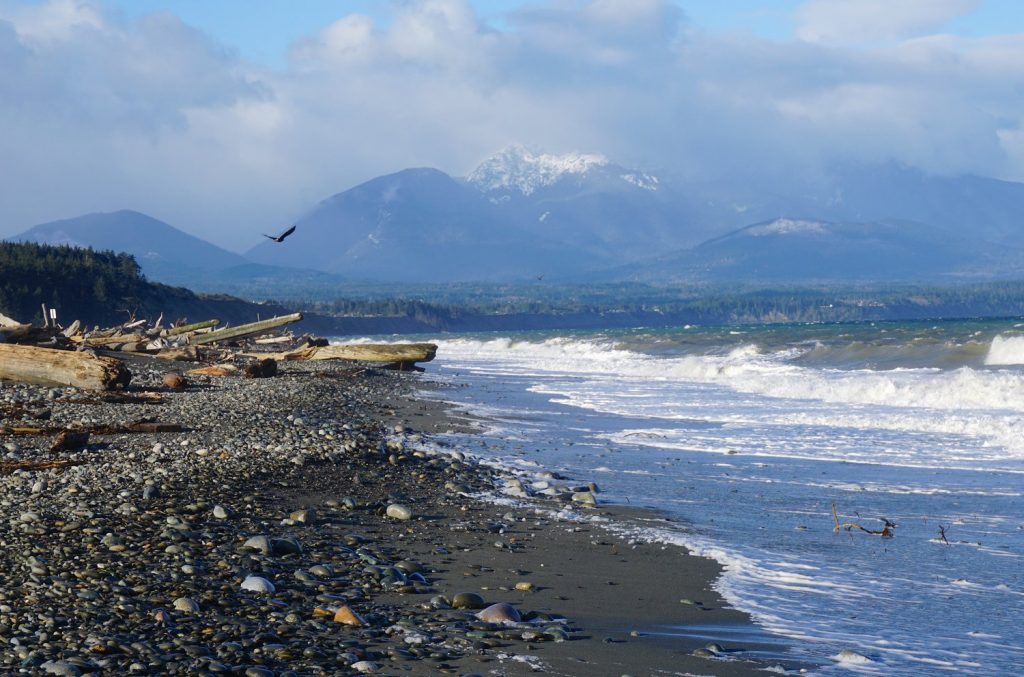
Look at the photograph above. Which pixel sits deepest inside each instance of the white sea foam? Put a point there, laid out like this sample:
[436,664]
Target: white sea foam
[971,415]
[747,369]
[1006,350]
[785,566]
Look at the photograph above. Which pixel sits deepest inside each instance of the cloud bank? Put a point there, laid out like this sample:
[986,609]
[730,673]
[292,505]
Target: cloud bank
[99,112]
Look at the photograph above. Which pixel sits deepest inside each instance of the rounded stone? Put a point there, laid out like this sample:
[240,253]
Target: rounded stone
[502,612]
[584,498]
[259,672]
[399,512]
[365,667]
[61,668]
[285,546]
[258,584]
[186,604]
[346,616]
[320,571]
[468,600]
[259,543]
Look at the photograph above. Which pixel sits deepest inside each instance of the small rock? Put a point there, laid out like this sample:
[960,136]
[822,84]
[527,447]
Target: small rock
[307,516]
[186,604]
[258,584]
[256,671]
[259,543]
[285,546]
[584,497]
[468,600]
[221,513]
[501,612]
[399,512]
[174,381]
[525,586]
[850,656]
[61,668]
[365,667]
[346,616]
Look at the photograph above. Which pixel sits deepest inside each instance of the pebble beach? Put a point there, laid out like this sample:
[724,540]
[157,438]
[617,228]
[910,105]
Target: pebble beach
[304,525]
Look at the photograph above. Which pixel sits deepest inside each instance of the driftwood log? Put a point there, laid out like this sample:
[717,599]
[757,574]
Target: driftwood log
[378,352]
[405,353]
[12,330]
[251,329]
[187,328]
[61,367]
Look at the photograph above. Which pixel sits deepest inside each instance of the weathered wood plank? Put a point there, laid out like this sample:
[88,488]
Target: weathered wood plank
[186,328]
[251,329]
[30,364]
[378,352]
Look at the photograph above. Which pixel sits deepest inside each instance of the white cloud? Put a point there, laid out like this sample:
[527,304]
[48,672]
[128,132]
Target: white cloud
[153,115]
[873,21]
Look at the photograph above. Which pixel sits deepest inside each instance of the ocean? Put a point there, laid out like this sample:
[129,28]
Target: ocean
[749,435]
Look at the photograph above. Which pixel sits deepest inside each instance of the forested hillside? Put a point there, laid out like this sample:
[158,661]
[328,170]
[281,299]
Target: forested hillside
[101,288]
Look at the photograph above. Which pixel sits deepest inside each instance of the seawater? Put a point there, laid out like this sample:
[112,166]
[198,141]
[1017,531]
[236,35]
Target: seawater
[749,435]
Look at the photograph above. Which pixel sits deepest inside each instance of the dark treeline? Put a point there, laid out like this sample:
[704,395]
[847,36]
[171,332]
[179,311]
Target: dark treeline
[468,308]
[102,288]
[107,288]
[87,282]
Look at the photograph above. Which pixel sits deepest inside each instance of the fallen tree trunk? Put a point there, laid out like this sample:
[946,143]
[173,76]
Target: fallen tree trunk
[61,367]
[391,353]
[251,329]
[186,328]
[11,329]
[378,352]
[108,340]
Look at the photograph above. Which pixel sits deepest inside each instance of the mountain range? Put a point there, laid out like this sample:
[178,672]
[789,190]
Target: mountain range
[521,216]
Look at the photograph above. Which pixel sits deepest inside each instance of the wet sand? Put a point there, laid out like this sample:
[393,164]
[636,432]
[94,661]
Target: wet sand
[184,518]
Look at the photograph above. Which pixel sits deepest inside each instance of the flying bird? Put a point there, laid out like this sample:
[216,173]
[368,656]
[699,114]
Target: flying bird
[282,236]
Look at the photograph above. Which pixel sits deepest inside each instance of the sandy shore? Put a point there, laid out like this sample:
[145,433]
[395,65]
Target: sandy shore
[133,559]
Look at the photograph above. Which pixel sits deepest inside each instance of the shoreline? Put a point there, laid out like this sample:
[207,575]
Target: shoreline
[132,561]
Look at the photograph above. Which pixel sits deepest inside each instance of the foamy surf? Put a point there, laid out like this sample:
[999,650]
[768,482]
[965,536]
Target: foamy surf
[935,437]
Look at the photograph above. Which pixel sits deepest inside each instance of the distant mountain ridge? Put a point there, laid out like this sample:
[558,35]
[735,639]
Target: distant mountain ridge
[163,252]
[789,250]
[516,216]
[522,215]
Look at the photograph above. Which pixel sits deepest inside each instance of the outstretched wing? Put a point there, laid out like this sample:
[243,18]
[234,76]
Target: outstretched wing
[285,234]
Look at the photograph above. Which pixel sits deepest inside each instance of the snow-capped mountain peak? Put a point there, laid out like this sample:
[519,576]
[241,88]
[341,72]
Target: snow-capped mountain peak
[784,226]
[517,169]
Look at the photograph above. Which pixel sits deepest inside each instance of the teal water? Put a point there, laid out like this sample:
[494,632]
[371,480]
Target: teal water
[750,434]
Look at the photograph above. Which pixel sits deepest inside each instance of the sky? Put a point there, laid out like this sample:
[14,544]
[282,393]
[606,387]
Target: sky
[231,118]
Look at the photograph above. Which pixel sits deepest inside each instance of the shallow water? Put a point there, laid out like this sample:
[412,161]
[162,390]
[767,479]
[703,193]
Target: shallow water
[751,434]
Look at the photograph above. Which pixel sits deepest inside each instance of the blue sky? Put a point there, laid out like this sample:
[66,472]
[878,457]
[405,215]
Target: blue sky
[228,116]
[262,30]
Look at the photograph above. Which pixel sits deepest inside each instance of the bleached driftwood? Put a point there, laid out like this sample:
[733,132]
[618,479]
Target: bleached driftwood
[378,352]
[189,328]
[406,353]
[11,329]
[61,367]
[251,329]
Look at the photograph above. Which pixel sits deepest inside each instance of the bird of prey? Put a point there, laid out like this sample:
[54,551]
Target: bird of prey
[282,236]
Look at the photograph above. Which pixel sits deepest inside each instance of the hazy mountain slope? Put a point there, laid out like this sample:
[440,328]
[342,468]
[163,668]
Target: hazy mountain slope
[163,252]
[808,250]
[418,224]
